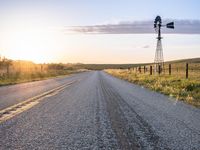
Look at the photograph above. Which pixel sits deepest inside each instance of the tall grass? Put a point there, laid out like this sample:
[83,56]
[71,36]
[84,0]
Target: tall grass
[12,72]
[187,90]
[21,77]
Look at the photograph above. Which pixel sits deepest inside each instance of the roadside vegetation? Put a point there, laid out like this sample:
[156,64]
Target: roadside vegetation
[34,76]
[176,86]
[13,72]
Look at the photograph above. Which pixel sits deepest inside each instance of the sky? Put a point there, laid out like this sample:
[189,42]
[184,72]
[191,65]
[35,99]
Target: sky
[39,30]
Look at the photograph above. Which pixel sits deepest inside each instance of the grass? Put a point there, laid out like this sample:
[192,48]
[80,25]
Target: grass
[187,90]
[20,77]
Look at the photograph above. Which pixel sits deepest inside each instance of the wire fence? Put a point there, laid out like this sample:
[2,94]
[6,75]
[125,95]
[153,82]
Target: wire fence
[184,70]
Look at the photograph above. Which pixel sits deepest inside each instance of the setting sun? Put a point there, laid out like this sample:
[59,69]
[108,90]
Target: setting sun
[57,33]
[30,44]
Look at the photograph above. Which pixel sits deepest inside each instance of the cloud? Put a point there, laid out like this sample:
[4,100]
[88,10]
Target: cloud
[137,27]
[146,46]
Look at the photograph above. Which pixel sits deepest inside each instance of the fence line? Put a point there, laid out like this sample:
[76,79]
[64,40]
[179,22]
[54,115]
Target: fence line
[186,69]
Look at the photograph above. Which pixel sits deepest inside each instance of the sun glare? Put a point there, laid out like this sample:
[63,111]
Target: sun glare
[30,44]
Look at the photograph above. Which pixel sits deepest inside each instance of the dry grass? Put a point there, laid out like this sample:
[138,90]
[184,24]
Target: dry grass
[34,76]
[13,72]
[187,90]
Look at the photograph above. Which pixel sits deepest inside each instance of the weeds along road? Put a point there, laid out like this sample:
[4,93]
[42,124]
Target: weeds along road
[99,111]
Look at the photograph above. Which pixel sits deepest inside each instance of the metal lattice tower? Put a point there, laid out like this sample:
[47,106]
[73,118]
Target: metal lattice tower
[159,59]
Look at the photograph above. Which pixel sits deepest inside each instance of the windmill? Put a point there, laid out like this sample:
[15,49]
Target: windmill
[159,59]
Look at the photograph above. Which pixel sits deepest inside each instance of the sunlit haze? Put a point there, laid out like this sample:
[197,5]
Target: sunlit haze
[35,30]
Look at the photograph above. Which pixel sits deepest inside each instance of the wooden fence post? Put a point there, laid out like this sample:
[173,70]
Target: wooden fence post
[8,69]
[144,69]
[170,69]
[159,69]
[41,68]
[186,70]
[140,69]
[150,70]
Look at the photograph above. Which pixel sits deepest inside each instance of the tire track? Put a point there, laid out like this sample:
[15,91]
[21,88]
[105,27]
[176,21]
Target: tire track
[118,120]
[106,138]
[131,129]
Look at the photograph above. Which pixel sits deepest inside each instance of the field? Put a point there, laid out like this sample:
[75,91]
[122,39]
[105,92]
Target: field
[34,76]
[175,85]
[13,72]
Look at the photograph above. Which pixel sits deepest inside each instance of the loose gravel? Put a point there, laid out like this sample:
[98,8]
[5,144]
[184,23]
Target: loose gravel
[103,112]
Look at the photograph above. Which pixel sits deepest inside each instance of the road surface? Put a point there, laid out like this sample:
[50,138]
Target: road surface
[10,95]
[97,111]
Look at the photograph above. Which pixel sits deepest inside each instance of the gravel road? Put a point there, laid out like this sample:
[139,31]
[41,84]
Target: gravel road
[99,112]
[12,94]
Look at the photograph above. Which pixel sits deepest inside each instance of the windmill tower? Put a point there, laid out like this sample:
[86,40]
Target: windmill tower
[159,59]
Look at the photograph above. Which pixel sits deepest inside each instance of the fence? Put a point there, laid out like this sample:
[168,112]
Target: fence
[185,70]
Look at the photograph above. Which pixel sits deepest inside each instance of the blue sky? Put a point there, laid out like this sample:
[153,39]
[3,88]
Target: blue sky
[87,12]
[32,29]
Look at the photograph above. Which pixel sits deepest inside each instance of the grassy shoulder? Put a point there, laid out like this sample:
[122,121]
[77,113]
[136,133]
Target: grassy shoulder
[187,90]
[34,76]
